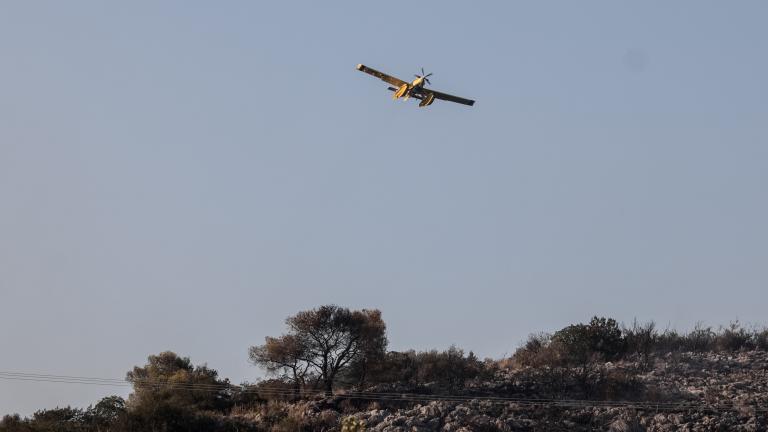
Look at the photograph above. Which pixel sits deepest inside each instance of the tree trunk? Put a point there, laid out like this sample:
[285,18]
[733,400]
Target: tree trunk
[296,389]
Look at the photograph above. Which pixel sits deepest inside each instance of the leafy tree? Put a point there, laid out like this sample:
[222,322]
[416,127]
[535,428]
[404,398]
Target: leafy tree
[105,413]
[323,343]
[174,380]
[283,356]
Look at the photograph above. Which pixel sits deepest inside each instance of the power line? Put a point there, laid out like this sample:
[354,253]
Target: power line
[277,391]
[389,396]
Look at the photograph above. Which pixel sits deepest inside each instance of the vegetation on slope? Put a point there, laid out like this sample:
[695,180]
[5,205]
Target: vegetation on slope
[330,354]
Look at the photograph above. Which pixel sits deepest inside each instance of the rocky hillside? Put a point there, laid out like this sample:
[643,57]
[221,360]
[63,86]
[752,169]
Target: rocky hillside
[680,392]
[332,372]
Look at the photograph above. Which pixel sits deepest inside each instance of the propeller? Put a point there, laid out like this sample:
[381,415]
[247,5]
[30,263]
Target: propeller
[425,76]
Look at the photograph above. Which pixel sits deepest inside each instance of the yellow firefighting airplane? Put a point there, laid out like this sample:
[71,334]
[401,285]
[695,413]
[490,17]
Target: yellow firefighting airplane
[414,88]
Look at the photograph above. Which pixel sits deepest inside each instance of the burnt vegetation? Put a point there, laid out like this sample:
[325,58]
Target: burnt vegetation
[330,356]
[603,339]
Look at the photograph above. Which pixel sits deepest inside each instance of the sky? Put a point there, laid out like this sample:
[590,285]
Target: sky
[185,175]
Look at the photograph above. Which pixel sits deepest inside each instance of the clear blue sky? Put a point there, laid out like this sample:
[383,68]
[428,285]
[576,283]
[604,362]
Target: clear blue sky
[184,175]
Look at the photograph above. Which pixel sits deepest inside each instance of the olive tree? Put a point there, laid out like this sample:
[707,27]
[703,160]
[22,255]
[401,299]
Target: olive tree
[282,356]
[323,344]
[170,379]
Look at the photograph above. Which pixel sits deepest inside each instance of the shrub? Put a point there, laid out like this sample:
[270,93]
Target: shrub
[760,339]
[247,395]
[273,412]
[170,378]
[13,423]
[641,339]
[447,370]
[616,384]
[535,352]
[703,339]
[288,424]
[699,339]
[579,344]
[733,338]
[351,424]
[326,420]
[668,341]
[575,345]
[274,390]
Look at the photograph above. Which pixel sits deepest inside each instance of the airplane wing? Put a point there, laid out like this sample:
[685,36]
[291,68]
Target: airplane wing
[381,75]
[447,97]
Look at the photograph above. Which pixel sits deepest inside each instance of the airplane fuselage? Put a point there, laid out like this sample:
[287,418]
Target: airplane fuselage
[405,89]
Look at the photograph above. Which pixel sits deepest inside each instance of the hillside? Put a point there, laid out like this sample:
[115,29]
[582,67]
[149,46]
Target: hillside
[330,371]
[683,391]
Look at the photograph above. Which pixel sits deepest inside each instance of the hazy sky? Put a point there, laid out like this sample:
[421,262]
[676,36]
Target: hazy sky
[184,175]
